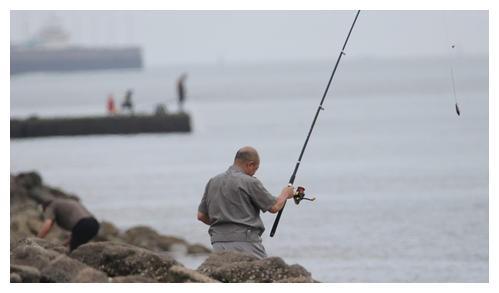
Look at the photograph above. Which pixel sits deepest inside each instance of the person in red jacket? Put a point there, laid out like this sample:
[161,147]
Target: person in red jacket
[111,109]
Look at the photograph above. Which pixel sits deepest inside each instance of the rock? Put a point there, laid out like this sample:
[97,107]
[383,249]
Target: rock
[219,259]
[132,279]
[197,249]
[147,237]
[107,232]
[19,194]
[22,224]
[185,275]
[15,278]
[234,267]
[301,279]
[64,269]
[43,243]
[118,259]
[27,274]
[50,260]
[29,179]
[89,275]
[33,252]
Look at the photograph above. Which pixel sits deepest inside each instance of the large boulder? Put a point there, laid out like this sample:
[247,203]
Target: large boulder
[119,259]
[219,259]
[185,275]
[19,195]
[15,278]
[27,274]
[22,209]
[24,223]
[108,232]
[64,269]
[234,267]
[34,252]
[132,279]
[147,237]
[53,264]
[29,180]
[197,249]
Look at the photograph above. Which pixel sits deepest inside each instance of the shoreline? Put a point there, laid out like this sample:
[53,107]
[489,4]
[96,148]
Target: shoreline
[137,254]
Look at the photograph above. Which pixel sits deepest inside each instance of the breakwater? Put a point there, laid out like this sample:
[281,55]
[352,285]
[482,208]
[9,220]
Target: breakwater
[120,124]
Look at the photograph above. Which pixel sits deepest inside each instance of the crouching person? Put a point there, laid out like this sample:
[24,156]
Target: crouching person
[72,216]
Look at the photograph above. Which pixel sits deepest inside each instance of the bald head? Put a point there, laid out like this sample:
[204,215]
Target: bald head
[246,154]
[247,159]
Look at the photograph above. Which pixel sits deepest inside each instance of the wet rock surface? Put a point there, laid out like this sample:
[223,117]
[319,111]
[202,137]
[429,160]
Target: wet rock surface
[33,256]
[118,259]
[137,255]
[184,274]
[234,267]
[132,279]
[25,274]
[147,237]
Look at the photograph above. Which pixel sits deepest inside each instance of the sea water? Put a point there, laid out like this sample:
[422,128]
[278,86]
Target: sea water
[401,181]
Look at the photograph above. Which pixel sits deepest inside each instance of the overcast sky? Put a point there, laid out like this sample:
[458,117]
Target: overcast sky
[259,36]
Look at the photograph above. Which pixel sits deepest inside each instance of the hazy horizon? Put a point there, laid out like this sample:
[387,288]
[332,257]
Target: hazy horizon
[226,37]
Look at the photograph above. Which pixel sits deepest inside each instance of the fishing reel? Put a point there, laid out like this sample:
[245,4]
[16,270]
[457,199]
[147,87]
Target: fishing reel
[300,195]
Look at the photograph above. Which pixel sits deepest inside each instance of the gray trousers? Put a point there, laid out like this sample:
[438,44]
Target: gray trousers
[252,248]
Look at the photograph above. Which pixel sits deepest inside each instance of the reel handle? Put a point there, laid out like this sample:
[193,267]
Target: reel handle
[300,195]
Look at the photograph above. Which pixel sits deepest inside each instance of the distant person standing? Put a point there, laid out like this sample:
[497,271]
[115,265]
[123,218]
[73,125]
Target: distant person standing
[181,91]
[127,103]
[72,216]
[111,109]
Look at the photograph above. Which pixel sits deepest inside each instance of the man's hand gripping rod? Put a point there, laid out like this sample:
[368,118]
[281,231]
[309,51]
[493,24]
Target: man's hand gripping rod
[292,179]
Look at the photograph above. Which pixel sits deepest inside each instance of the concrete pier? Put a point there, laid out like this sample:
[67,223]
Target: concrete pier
[122,124]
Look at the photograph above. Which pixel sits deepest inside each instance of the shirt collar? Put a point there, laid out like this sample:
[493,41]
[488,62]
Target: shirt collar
[234,169]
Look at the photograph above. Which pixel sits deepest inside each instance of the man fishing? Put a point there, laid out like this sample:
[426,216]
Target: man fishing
[232,202]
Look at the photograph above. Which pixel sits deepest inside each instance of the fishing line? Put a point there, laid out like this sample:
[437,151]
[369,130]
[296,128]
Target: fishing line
[451,52]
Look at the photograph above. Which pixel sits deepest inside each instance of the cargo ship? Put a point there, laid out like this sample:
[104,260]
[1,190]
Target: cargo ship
[50,50]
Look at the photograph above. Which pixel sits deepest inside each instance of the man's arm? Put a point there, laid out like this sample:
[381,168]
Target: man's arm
[204,218]
[286,193]
[47,225]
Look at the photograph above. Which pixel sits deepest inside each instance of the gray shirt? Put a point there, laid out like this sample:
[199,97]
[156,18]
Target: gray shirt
[66,212]
[233,201]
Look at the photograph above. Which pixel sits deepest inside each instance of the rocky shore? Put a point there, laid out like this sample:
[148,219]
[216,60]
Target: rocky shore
[139,254]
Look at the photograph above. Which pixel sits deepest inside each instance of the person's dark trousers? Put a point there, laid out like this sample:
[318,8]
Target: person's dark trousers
[83,232]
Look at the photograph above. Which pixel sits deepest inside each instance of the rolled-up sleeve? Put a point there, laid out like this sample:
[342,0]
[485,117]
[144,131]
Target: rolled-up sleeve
[260,195]
[203,205]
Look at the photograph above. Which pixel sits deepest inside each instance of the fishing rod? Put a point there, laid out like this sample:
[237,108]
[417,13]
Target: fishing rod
[300,193]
